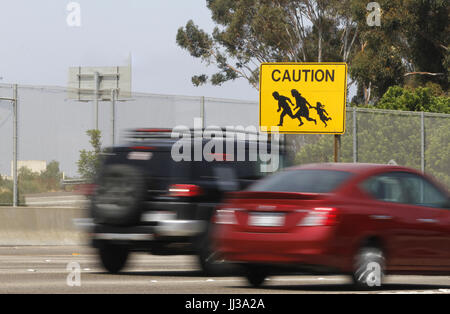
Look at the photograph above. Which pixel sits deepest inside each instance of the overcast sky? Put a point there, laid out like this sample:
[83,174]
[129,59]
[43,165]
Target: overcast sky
[38,46]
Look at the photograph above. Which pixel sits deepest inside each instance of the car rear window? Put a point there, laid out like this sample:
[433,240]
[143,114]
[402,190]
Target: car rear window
[303,181]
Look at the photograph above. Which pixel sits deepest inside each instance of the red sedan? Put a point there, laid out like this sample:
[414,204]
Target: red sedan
[364,220]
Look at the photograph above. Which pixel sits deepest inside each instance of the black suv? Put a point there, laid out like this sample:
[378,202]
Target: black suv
[147,199]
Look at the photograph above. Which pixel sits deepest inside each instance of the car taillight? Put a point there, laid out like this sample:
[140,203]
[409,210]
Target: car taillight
[184,190]
[320,216]
[225,216]
[142,148]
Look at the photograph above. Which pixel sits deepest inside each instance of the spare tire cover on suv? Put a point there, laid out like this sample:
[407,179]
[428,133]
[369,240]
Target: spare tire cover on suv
[119,195]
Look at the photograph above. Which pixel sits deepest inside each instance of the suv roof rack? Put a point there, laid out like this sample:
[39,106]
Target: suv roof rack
[162,133]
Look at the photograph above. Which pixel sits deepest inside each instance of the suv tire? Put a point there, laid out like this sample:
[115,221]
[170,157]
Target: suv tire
[119,195]
[113,257]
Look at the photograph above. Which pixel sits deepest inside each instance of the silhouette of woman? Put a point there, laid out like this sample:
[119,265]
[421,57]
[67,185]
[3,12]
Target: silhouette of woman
[303,109]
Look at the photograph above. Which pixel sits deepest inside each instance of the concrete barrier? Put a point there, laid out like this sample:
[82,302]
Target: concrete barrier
[40,226]
[56,199]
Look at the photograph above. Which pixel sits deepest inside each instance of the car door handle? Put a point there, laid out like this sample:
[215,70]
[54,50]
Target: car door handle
[426,220]
[380,217]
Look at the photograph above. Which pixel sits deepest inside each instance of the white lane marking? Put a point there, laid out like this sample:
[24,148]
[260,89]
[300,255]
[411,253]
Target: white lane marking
[439,291]
[195,281]
[242,279]
[306,279]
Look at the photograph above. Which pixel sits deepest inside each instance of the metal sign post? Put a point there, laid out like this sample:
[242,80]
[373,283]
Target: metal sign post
[101,84]
[337,146]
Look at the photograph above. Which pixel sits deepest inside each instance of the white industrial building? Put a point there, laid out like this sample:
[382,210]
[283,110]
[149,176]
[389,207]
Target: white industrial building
[34,165]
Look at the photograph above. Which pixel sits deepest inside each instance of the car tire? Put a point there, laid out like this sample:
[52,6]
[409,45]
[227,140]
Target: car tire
[208,260]
[119,196]
[113,257]
[256,275]
[369,268]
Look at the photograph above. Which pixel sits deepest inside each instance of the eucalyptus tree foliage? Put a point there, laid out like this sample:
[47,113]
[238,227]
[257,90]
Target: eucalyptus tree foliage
[250,32]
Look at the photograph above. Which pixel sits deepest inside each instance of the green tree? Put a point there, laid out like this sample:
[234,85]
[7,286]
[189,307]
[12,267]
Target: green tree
[51,176]
[89,161]
[6,198]
[426,40]
[29,181]
[250,32]
[419,99]
[410,47]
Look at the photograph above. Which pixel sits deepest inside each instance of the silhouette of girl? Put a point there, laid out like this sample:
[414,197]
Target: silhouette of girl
[322,113]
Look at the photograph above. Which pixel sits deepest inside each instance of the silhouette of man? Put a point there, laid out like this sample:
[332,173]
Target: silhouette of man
[322,113]
[303,109]
[283,105]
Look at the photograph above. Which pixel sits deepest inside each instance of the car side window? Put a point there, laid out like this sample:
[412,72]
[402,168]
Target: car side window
[421,192]
[386,188]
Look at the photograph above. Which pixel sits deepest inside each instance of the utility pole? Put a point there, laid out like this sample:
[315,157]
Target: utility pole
[14,101]
[15,190]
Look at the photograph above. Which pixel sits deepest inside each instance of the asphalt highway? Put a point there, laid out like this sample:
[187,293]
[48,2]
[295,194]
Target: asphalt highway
[76,270]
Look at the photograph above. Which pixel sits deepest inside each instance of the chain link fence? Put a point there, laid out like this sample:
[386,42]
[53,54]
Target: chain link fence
[52,127]
[414,139]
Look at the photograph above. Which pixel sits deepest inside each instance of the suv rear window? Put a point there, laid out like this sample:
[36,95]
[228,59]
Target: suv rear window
[161,164]
[302,181]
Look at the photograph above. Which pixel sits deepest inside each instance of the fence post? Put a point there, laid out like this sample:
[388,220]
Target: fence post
[355,136]
[202,110]
[97,93]
[113,116]
[422,141]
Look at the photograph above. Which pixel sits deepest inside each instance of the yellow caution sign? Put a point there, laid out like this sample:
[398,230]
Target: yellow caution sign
[303,97]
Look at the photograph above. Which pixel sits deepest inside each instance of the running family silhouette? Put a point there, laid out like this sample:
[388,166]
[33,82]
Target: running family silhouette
[284,105]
